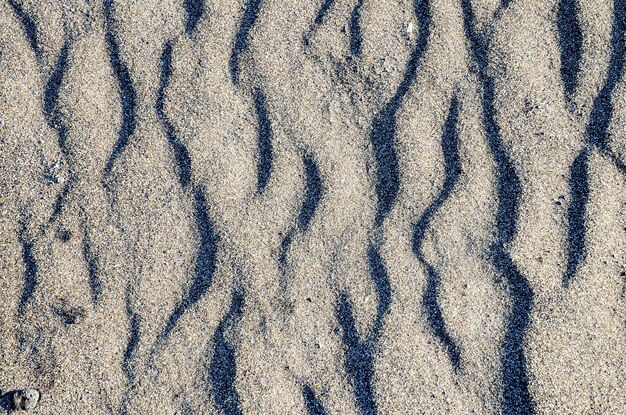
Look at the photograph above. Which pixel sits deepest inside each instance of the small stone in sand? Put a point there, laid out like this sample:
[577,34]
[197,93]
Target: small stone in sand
[25,399]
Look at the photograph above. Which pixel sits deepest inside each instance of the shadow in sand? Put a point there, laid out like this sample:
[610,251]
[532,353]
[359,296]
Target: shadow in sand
[181,155]
[30,271]
[205,263]
[51,96]
[383,130]
[243,37]
[359,362]
[195,11]
[452,161]
[570,43]
[127,90]
[597,137]
[319,19]
[264,134]
[223,368]
[29,27]
[313,192]
[313,405]
[360,353]
[516,397]
[93,269]
[355,29]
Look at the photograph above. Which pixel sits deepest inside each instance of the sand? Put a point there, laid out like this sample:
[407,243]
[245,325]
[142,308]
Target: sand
[313,206]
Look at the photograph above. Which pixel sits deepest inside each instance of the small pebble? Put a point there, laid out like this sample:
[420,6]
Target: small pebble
[25,399]
[559,200]
[409,28]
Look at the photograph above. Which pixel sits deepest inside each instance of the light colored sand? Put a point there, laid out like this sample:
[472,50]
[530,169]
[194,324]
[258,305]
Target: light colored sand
[167,280]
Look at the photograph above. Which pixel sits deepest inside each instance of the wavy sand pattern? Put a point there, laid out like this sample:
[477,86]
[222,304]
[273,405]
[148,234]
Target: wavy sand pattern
[313,207]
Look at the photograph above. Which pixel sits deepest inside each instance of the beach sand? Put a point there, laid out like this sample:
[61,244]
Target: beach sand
[313,206]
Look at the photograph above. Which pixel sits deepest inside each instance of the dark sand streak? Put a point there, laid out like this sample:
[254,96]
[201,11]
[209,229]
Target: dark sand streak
[319,19]
[265,135]
[312,198]
[313,405]
[223,367]
[181,154]
[207,251]
[134,336]
[205,263]
[195,10]
[93,269]
[30,271]
[516,397]
[30,28]
[359,358]
[449,145]
[51,97]
[243,37]
[126,89]
[597,137]
[56,122]
[59,203]
[384,125]
[570,42]
[360,353]
[313,193]
[356,37]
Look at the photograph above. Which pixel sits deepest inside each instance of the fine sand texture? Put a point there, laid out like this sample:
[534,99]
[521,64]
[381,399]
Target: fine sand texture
[338,207]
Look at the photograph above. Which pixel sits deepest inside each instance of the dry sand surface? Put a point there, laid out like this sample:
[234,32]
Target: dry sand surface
[313,206]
